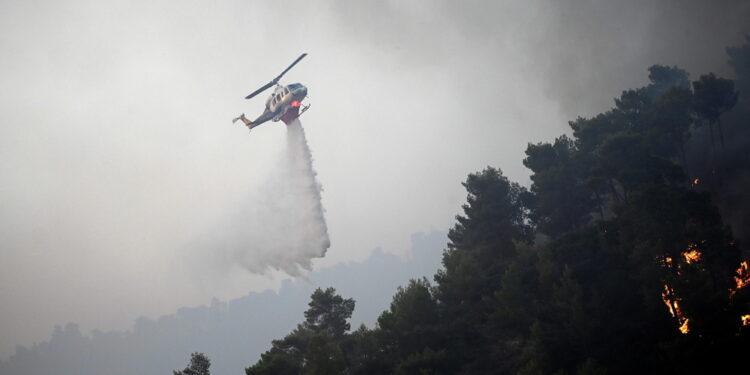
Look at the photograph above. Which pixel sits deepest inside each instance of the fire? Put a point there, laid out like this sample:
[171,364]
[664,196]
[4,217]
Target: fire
[742,279]
[692,255]
[746,320]
[696,181]
[684,327]
[665,297]
[673,305]
[743,275]
[296,103]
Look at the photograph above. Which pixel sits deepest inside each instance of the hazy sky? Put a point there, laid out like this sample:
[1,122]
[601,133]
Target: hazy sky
[117,149]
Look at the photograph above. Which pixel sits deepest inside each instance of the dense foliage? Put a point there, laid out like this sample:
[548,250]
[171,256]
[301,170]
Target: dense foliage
[615,260]
[199,365]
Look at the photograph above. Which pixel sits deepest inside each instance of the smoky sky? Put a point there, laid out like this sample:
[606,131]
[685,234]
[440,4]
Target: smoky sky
[117,148]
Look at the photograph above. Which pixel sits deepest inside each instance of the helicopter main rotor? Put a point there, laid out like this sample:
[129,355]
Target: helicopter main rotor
[275,80]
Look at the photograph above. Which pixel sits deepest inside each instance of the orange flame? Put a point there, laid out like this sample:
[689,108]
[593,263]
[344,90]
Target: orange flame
[296,103]
[745,320]
[665,297]
[684,328]
[693,255]
[742,279]
[674,309]
[743,275]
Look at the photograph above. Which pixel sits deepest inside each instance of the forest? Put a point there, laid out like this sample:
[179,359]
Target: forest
[627,254]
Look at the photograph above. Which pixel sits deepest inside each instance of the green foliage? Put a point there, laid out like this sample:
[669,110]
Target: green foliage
[482,245]
[323,355]
[315,347]
[427,362]
[561,200]
[713,96]
[285,356]
[329,312]
[664,78]
[366,353]
[199,364]
[591,367]
[493,212]
[410,331]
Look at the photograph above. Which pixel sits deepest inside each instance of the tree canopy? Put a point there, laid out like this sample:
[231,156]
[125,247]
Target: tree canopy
[199,364]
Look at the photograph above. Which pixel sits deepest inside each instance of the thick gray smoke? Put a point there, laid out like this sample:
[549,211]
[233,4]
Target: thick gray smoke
[724,168]
[282,225]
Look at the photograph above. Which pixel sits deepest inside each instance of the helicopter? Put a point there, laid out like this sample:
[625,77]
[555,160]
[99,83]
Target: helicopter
[284,104]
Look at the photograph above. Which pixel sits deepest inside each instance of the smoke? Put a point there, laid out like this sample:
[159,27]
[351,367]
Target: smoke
[282,225]
[724,169]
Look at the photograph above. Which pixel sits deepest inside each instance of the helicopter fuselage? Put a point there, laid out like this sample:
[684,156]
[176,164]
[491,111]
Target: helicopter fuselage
[284,98]
[284,104]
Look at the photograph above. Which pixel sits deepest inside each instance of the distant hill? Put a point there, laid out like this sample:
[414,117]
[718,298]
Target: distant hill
[232,334]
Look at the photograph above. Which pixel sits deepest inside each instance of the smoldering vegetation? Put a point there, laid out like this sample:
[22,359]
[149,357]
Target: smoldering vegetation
[281,225]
